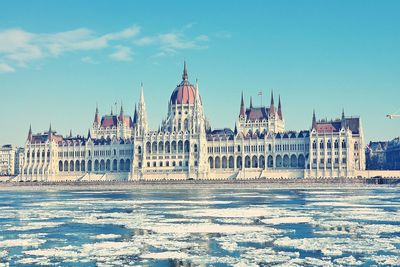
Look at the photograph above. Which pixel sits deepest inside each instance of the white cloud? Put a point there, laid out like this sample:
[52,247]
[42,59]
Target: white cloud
[202,38]
[169,43]
[5,68]
[122,53]
[88,60]
[19,47]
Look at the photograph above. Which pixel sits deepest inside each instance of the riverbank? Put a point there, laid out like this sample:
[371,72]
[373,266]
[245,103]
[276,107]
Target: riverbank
[206,184]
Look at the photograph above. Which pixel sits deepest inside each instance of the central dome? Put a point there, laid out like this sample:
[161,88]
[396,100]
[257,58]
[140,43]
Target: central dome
[184,93]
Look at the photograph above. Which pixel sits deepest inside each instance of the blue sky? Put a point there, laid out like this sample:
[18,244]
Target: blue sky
[59,58]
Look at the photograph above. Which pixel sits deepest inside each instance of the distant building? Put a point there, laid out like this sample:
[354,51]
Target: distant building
[7,160]
[383,155]
[184,146]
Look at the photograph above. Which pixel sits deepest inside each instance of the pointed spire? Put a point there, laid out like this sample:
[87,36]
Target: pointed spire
[343,117]
[50,133]
[30,132]
[111,111]
[280,108]
[314,119]
[96,115]
[251,102]
[135,115]
[70,133]
[242,107]
[121,113]
[141,98]
[272,105]
[89,135]
[184,74]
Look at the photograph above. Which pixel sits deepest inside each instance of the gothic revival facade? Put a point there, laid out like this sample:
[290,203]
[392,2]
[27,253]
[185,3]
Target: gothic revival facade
[121,147]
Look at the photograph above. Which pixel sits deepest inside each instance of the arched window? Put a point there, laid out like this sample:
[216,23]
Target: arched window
[195,147]
[115,167]
[89,166]
[71,166]
[173,147]
[122,165]
[261,162]
[286,161]
[96,165]
[355,146]
[128,165]
[167,147]
[336,144]
[217,162]
[102,165]
[238,148]
[314,144]
[343,144]
[270,160]
[247,162]
[278,161]
[321,145]
[187,146]
[224,162]
[239,164]
[82,166]
[301,161]
[186,124]
[293,161]
[269,147]
[160,147]
[148,148]
[329,144]
[254,162]
[231,162]
[180,147]
[77,166]
[60,166]
[154,148]
[139,150]
[108,165]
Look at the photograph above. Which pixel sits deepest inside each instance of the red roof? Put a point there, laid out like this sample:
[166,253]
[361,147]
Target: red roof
[184,93]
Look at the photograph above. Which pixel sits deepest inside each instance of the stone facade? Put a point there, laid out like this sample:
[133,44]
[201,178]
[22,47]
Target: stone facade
[122,147]
[7,160]
[383,155]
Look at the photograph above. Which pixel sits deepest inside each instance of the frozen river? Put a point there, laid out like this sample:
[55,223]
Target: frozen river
[191,227]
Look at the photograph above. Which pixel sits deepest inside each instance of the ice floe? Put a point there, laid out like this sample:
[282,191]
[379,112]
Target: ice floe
[165,255]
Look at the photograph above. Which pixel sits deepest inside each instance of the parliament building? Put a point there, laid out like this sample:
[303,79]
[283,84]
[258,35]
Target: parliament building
[122,147]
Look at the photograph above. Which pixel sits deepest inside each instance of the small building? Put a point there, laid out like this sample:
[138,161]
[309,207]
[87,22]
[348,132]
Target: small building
[7,160]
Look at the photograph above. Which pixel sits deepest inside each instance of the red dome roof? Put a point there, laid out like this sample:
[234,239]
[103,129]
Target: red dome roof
[184,93]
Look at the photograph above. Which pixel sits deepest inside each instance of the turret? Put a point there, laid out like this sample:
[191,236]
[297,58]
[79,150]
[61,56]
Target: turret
[30,133]
[242,107]
[280,109]
[121,114]
[272,106]
[314,120]
[50,133]
[142,126]
[96,116]
[184,74]
[251,102]
[135,116]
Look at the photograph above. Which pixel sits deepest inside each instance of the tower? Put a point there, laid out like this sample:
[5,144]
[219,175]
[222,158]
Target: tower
[142,125]
[242,107]
[30,133]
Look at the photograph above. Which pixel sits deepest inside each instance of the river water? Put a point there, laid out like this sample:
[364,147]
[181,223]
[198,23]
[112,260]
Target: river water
[208,227]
